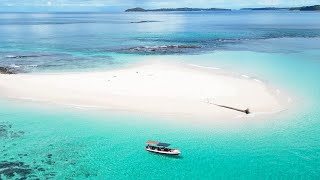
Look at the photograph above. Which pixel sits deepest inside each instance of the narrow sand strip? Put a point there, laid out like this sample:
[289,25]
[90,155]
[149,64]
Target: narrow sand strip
[160,88]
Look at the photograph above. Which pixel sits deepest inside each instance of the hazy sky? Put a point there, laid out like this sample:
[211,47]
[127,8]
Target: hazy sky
[122,4]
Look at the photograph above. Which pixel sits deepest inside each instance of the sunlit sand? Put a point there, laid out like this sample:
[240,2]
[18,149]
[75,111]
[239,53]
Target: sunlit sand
[159,88]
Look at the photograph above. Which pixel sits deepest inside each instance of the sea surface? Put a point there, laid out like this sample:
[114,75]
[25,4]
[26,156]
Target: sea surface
[281,48]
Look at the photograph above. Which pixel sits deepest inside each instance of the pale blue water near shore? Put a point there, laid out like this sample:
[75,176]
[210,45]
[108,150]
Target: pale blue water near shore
[280,48]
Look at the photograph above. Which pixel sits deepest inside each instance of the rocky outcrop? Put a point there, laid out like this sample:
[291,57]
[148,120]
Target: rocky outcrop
[8,70]
[167,49]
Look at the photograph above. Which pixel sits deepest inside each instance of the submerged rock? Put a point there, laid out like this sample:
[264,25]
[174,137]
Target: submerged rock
[6,131]
[8,70]
[160,49]
[6,164]
[20,170]
[10,172]
[41,169]
[10,169]
[25,56]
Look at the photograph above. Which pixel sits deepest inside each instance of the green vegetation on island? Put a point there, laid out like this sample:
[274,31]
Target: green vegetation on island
[307,8]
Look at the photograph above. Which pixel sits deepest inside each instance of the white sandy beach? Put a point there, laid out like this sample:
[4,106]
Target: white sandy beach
[160,88]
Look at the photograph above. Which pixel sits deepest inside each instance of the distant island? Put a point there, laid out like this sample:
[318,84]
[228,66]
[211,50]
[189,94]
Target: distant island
[307,8]
[138,9]
[303,8]
[264,9]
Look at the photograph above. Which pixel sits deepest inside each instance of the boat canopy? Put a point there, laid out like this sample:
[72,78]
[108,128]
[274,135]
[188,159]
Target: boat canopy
[163,144]
[158,143]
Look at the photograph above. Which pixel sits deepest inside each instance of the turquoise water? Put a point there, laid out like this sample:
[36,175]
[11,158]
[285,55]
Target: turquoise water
[68,143]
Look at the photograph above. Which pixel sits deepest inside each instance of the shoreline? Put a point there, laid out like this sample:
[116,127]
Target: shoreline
[170,89]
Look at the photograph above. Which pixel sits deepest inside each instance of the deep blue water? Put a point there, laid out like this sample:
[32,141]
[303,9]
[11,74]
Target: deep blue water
[280,47]
[40,42]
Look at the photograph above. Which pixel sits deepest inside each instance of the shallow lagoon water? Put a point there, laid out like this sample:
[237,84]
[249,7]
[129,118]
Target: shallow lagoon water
[70,143]
[96,144]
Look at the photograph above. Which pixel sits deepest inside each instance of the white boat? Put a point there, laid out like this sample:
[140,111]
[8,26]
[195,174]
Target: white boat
[161,148]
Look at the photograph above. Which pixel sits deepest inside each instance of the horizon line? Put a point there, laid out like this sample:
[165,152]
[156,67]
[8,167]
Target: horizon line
[105,9]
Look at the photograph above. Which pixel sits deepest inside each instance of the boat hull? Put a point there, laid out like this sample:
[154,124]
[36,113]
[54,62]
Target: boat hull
[174,152]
